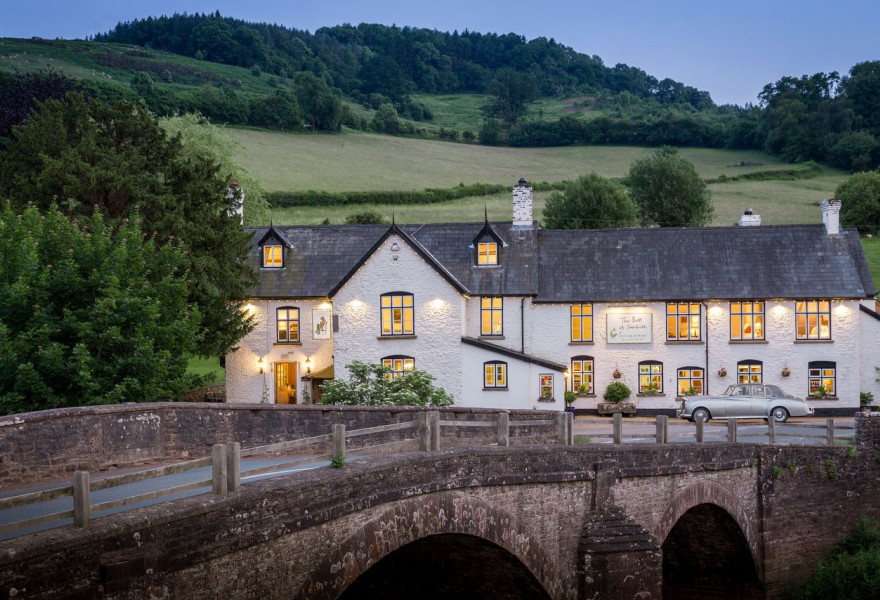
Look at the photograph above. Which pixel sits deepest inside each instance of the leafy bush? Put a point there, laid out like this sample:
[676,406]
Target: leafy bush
[852,572]
[569,397]
[617,391]
[371,384]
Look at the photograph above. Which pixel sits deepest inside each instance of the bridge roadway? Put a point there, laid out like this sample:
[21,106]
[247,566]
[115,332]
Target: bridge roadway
[555,522]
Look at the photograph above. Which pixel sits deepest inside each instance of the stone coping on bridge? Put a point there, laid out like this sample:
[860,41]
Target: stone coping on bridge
[51,443]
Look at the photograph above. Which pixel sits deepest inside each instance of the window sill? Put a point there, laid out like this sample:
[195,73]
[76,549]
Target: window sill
[495,389]
[684,342]
[749,342]
[815,399]
[660,395]
[549,400]
[409,336]
[590,343]
[814,341]
[586,395]
[271,268]
[491,337]
[288,344]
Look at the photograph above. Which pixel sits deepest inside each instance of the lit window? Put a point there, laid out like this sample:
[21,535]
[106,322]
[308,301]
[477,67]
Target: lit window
[582,374]
[272,256]
[288,324]
[491,316]
[813,318]
[545,385]
[683,321]
[396,365]
[487,253]
[581,322]
[690,379]
[650,377]
[822,378]
[747,320]
[749,371]
[397,314]
[495,375]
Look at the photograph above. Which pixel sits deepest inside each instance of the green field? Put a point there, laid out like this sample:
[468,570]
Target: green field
[203,366]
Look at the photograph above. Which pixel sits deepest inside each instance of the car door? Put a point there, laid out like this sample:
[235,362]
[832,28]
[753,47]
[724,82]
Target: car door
[759,397]
[738,403]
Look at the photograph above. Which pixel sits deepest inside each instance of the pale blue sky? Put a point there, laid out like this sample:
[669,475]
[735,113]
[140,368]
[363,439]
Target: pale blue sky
[731,48]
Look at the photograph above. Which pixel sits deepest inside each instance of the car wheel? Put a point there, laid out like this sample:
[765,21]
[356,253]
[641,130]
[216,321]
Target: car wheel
[702,415]
[779,414]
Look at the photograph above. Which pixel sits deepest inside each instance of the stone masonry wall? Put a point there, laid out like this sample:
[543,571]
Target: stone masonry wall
[52,443]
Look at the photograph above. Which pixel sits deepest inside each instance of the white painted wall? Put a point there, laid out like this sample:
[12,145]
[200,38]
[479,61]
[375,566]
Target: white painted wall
[244,383]
[512,323]
[439,315]
[522,382]
[869,328]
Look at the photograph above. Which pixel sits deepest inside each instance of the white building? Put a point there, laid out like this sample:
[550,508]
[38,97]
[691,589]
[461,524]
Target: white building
[509,315]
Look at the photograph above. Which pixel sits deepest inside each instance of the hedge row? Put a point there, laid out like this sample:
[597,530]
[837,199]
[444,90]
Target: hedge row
[808,171]
[428,196]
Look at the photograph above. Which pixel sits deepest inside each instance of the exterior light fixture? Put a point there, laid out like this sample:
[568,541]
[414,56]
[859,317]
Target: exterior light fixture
[395,248]
[308,364]
[260,364]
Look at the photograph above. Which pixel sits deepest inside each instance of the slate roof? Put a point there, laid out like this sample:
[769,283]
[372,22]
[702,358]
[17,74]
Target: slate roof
[784,261]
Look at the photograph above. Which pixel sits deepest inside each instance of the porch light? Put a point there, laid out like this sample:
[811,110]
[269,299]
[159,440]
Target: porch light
[308,364]
[260,364]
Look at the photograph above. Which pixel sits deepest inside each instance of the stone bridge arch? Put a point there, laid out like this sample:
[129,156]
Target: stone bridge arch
[709,492]
[405,521]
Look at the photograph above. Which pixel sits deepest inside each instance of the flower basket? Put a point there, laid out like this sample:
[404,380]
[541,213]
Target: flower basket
[616,373]
[786,371]
[722,372]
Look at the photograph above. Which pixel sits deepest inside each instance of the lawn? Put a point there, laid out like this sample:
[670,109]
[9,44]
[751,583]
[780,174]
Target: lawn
[202,366]
[872,251]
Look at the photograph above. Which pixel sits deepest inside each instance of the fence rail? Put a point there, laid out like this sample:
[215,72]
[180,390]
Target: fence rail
[225,461]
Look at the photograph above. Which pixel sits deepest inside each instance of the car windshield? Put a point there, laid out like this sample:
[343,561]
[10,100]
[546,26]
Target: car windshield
[729,390]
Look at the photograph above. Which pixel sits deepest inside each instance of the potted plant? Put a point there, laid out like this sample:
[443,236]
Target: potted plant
[616,396]
[820,392]
[786,371]
[651,390]
[616,373]
[582,390]
[722,372]
[690,391]
[569,398]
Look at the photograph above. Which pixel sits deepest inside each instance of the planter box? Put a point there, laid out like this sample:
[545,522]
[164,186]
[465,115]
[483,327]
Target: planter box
[610,408]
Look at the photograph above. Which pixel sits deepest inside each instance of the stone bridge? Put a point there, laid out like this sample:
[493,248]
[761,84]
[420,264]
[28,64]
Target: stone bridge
[641,521]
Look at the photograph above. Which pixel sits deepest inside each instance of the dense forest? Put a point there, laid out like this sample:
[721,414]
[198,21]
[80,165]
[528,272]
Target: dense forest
[823,117]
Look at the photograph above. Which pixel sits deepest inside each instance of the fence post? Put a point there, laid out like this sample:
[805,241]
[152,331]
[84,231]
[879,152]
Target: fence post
[81,500]
[218,469]
[731,430]
[698,433]
[829,434]
[661,429]
[434,423]
[338,452]
[503,429]
[560,428]
[617,427]
[771,429]
[424,433]
[569,429]
[233,467]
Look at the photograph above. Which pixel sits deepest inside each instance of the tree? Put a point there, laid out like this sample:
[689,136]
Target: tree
[591,202]
[512,91]
[852,570]
[385,120]
[669,192]
[860,202]
[202,141]
[20,93]
[115,158]
[372,384]
[90,314]
[320,107]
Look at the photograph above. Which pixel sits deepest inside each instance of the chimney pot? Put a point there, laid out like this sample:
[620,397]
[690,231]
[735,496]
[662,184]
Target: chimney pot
[522,204]
[831,216]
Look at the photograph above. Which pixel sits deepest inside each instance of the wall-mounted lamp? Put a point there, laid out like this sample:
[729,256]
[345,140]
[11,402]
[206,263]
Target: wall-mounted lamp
[260,364]
[395,248]
[567,374]
[308,365]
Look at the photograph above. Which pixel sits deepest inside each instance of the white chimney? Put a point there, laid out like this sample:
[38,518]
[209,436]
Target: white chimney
[236,193]
[522,204]
[831,216]
[748,219]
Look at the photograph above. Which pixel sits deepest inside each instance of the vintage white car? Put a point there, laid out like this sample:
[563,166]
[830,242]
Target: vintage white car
[745,401]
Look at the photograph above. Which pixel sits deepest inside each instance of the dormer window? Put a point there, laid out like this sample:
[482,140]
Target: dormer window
[487,253]
[272,257]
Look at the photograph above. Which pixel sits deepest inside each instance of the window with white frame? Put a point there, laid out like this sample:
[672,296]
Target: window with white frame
[822,377]
[492,315]
[690,380]
[487,253]
[272,257]
[582,374]
[682,321]
[397,314]
[581,322]
[747,320]
[813,319]
[397,365]
[495,375]
[287,320]
[749,371]
[650,377]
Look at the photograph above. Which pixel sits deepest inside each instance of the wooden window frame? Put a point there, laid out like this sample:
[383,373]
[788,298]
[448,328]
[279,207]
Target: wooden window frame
[490,311]
[747,314]
[390,324]
[654,375]
[581,323]
[675,311]
[490,382]
[805,311]
[286,319]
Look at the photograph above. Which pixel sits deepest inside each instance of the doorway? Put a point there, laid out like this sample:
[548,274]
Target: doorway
[285,382]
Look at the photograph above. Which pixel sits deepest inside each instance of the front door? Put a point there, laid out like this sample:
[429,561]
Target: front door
[285,383]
